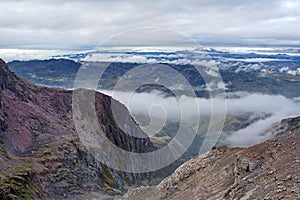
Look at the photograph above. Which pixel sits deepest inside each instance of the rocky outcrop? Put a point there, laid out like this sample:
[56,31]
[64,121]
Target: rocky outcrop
[269,170]
[41,155]
[6,78]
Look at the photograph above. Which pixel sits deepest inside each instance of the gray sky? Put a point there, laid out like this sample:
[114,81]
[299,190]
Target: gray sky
[77,24]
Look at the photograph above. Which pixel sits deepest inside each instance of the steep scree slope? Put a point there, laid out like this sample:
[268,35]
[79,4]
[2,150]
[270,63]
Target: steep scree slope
[269,170]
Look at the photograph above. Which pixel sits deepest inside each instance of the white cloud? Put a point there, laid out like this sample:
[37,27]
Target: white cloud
[17,54]
[81,24]
[275,108]
[261,130]
[294,72]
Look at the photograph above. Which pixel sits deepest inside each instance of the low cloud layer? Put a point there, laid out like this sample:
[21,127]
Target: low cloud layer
[161,107]
[260,130]
[18,54]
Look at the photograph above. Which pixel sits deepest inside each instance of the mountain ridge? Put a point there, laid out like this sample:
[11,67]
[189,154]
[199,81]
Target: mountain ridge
[269,170]
[40,146]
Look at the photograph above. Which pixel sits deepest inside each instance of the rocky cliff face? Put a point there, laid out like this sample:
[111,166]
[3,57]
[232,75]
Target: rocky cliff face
[269,170]
[41,155]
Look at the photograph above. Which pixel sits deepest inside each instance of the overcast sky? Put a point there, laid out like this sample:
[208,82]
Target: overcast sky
[57,24]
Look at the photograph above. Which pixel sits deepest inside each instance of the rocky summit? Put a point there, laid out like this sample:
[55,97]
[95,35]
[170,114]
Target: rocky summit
[41,154]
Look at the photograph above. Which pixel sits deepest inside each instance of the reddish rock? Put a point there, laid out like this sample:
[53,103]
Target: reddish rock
[37,132]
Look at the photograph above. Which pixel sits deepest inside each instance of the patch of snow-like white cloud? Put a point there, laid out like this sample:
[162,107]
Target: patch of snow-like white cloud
[274,107]
[173,59]
[18,54]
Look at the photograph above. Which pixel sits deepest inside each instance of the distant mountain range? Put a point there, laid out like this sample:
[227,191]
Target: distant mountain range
[271,61]
[272,77]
